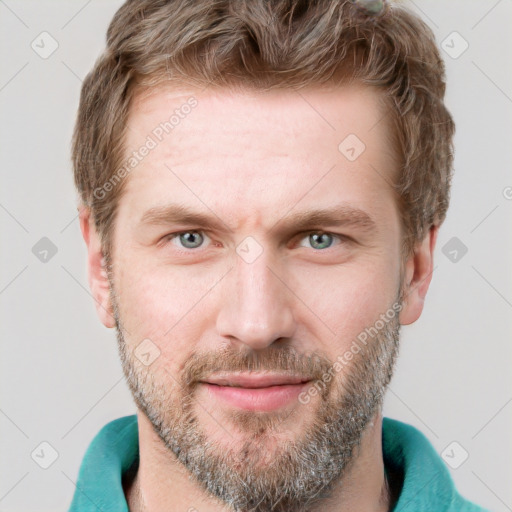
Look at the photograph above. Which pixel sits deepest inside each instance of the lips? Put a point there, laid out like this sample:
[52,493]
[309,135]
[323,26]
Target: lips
[255,391]
[254,381]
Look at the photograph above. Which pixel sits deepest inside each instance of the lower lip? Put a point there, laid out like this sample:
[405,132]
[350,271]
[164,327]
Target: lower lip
[257,399]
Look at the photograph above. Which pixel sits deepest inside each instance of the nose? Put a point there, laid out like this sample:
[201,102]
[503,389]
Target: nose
[256,307]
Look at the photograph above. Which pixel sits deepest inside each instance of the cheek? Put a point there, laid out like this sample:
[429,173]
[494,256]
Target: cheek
[164,303]
[177,306]
[347,299]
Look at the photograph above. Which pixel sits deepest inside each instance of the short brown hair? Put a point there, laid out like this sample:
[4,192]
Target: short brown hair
[266,44]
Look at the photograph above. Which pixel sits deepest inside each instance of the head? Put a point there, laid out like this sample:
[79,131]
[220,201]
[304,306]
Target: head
[261,186]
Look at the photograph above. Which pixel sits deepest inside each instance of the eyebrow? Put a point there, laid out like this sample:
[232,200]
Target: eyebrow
[179,214]
[337,216]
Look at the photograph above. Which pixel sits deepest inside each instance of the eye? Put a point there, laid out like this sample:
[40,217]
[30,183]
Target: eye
[320,240]
[187,239]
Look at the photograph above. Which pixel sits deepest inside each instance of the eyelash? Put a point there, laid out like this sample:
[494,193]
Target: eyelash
[172,236]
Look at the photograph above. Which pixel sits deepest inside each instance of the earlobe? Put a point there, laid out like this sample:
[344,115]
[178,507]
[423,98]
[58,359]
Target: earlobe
[418,275]
[98,281]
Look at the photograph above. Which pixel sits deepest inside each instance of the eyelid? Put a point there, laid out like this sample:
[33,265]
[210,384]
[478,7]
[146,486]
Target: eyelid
[170,237]
[341,238]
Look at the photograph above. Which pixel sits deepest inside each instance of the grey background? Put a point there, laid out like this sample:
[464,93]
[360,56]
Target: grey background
[60,376]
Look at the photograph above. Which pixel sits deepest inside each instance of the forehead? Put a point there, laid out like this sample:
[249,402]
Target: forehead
[260,148]
[218,114]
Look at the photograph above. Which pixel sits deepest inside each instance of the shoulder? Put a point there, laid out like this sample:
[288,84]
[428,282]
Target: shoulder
[110,454]
[423,481]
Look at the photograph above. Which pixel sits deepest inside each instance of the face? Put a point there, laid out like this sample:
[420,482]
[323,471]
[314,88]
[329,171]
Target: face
[255,283]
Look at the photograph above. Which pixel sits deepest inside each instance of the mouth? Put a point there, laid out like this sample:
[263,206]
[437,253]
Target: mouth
[255,391]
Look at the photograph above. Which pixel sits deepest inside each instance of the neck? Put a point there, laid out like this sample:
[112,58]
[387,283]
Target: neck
[163,483]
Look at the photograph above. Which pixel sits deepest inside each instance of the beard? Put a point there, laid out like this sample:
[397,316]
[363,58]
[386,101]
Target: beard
[260,473]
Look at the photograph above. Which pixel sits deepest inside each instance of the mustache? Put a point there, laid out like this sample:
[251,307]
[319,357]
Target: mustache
[282,360]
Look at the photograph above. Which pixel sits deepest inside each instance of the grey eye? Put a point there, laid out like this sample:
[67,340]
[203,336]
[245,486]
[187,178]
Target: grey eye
[191,239]
[320,240]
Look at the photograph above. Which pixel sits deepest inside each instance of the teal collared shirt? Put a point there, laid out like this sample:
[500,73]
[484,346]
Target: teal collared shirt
[426,484]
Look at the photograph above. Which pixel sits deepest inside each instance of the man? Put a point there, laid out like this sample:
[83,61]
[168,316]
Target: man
[261,186]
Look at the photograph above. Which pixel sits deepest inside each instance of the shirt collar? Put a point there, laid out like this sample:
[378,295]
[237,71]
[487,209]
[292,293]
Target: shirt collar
[423,478]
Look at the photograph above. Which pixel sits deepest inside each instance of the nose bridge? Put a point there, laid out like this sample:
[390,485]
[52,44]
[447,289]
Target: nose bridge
[257,308]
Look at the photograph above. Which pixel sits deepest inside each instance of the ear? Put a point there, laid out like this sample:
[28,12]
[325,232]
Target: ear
[418,274]
[98,281]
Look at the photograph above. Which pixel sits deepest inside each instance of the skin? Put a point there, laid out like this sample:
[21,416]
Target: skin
[252,160]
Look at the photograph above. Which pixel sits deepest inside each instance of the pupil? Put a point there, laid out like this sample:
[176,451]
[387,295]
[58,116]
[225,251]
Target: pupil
[317,240]
[188,239]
